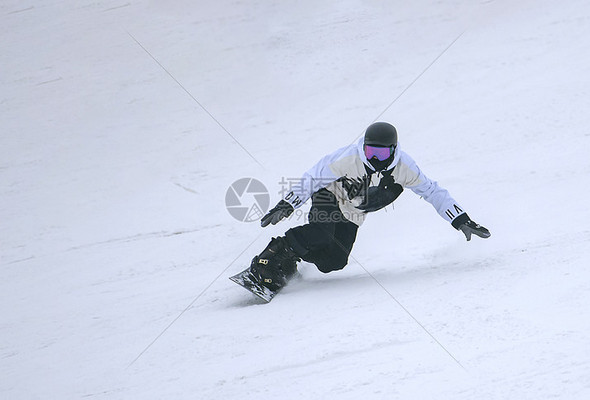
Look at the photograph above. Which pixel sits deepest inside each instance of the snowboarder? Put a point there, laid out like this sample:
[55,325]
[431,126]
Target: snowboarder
[344,186]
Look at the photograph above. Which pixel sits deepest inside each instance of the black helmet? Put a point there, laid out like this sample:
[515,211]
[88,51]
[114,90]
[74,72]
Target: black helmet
[380,135]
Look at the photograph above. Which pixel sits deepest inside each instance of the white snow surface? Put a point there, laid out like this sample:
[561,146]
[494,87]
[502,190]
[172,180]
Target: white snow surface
[116,245]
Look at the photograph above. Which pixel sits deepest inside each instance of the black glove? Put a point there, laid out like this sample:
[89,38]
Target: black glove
[280,211]
[377,197]
[468,227]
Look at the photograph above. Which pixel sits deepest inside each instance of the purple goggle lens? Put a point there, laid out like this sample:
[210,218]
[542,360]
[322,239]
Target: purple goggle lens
[380,153]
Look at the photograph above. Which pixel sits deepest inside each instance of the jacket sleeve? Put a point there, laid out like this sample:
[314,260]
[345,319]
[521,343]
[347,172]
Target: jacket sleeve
[413,178]
[317,177]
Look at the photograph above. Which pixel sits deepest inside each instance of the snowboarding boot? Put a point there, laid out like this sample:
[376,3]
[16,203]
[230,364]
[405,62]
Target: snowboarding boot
[275,265]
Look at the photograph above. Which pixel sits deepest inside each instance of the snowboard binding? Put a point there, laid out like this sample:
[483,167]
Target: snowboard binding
[269,271]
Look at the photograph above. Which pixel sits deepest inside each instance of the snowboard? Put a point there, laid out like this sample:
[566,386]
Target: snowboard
[246,280]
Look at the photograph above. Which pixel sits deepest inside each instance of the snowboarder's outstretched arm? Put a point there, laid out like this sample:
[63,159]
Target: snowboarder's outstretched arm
[412,177]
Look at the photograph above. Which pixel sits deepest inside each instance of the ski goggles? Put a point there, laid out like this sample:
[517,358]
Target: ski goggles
[380,153]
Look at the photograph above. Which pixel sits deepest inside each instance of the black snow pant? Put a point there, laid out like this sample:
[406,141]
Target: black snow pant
[327,239]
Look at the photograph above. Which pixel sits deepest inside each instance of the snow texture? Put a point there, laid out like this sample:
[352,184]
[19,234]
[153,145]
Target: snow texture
[125,122]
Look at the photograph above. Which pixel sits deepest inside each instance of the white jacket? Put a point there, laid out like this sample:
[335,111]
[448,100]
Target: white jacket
[348,165]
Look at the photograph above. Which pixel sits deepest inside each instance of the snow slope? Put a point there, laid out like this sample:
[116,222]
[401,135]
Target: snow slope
[124,123]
